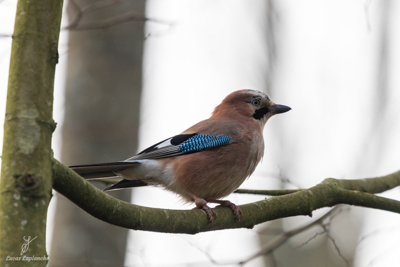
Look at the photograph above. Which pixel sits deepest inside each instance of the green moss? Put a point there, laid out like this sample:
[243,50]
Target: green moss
[26,173]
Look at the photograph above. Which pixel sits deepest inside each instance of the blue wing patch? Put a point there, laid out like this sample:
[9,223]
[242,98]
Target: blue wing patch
[182,144]
[200,142]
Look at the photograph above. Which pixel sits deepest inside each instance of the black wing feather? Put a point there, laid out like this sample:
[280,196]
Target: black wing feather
[175,140]
[164,149]
[93,171]
[125,184]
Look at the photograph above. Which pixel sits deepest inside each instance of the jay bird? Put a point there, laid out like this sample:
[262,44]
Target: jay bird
[204,163]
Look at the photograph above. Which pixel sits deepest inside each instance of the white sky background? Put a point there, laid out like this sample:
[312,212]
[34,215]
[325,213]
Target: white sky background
[326,72]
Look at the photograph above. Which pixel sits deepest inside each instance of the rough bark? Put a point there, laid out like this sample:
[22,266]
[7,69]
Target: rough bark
[26,171]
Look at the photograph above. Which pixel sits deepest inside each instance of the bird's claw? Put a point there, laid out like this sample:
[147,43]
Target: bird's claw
[202,204]
[211,214]
[236,210]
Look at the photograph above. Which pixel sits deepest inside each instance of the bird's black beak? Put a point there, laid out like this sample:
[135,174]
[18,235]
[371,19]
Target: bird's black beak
[279,109]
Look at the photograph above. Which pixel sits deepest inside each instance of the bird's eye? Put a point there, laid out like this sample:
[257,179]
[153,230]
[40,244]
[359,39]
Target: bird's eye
[256,102]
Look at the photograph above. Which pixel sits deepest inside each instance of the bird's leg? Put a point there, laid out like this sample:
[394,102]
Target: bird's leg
[226,203]
[202,204]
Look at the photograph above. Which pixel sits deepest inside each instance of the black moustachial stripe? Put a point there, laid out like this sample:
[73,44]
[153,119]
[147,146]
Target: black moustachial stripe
[259,114]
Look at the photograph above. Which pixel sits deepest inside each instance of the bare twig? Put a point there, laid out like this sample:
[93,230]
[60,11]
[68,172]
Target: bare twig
[78,17]
[312,238]
[284,236]
[336,246]
[267,192]
[367,18]
[101,4]
[132,15]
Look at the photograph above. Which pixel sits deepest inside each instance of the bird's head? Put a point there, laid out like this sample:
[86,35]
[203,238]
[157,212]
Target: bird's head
[252,104]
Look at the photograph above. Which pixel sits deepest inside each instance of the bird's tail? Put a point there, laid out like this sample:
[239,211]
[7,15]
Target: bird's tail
[102,170]
[125,184]
[107,170]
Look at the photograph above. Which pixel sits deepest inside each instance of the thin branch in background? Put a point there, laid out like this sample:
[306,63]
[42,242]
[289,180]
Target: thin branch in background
[325,227]
[132,15]
[367,18]
[206,252]
[139,253]
[266,192]
[284,236]
[285,179]
[383,255]
[272,259]
[160,33]
[79,14]
[336,246]
[377,232]
[271,43]
[312,238]
[280,239]
[129,16]
[100,4]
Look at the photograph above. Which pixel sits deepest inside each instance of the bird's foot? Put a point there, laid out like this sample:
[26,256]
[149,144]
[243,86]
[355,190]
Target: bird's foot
[226,203]
[202,204]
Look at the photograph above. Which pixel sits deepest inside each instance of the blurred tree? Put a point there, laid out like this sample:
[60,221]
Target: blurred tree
[311,255]
[102,100]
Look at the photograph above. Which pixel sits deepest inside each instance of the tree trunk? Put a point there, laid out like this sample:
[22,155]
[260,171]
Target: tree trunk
[26,170]
[102,100]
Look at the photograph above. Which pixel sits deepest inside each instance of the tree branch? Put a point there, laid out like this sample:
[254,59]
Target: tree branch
[326,194]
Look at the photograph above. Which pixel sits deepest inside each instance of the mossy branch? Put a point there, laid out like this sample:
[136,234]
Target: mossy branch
[26,171]
[326,194]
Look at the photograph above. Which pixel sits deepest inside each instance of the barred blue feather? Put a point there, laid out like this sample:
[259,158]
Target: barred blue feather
[200,142]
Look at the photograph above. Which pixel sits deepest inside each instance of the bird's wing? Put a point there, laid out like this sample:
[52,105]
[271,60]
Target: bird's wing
[182,144]
[178,145]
